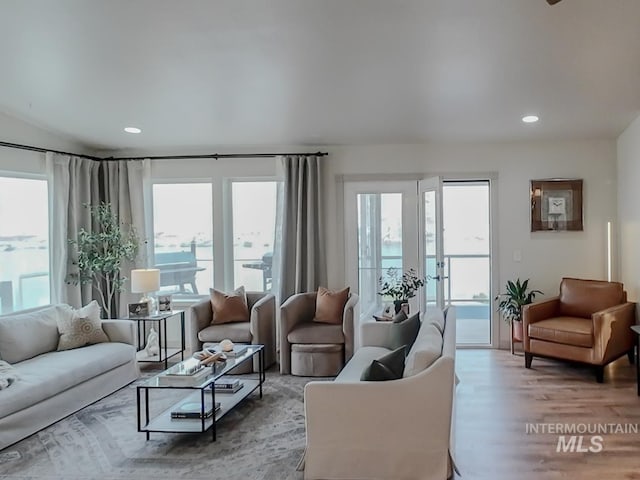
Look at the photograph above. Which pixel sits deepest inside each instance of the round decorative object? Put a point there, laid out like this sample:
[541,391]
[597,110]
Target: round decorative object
[226,345]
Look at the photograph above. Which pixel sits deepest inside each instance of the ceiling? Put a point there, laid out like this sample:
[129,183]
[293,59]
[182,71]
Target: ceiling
[311,72]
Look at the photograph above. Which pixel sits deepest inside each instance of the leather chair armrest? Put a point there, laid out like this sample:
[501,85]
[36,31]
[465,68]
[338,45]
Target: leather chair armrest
[612,331]
[534,312]
[298,308]
[348,319]
[263,326]
[200,316]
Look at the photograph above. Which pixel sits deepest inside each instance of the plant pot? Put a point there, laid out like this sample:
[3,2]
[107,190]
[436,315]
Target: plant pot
[397,304]
[516,330]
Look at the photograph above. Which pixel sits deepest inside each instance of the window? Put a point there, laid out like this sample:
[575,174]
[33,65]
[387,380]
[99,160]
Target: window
[254,219]
[183,237]
[24,243]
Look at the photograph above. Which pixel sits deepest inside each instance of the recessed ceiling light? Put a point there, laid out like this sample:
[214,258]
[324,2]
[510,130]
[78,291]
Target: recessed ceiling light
[530,119]
[132,130]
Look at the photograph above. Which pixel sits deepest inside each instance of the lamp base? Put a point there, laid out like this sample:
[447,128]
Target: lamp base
[149,300]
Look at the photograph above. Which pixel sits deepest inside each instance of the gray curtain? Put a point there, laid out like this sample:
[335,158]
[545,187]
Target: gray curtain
[73,182]
[303,261]
[122,184]
[76,181]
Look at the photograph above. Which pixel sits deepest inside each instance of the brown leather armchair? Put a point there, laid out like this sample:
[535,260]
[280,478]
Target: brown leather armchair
[589,322]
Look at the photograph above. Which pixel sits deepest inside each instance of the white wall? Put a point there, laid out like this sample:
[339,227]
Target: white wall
[628,208]
[546,256]
[13,130]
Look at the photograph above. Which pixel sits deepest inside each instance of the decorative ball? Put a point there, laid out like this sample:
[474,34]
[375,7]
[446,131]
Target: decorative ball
[226,345]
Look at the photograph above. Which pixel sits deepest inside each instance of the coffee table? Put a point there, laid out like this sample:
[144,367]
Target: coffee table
[162,422]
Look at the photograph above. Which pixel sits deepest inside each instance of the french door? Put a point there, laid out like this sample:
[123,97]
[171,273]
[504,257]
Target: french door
[382,221]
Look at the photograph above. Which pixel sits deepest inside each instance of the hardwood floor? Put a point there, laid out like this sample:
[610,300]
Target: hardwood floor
[497,397]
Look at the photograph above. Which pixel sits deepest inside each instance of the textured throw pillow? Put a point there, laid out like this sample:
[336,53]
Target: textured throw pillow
[330,305]
[229,307]
[83,327]
[405,332]
[8,374]
[389,367]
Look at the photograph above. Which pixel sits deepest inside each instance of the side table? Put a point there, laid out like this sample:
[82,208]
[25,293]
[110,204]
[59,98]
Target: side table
[164,352]
[636,330]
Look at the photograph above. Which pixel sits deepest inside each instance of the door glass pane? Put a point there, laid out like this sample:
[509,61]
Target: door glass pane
[429,199]
[24,244]
[254,220]
[183,237]
[379,244]
[467,260]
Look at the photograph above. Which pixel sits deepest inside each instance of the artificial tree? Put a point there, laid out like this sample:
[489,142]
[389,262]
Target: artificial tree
[101,253]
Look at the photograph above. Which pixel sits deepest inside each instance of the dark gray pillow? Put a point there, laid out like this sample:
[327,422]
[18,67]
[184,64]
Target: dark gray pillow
[401,316]
[389,367]
[405,332]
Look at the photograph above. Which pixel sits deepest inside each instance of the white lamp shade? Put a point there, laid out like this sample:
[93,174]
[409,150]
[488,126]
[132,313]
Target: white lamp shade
[145,280]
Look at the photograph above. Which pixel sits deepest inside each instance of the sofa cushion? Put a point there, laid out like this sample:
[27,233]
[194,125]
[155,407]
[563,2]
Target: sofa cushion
[26,335]
[436,316]
[229,307]
[404,333]
[361,359]
[82,328]
[565,330]
[316,333]
[236,332]
[387,367]
[48,374]
[8,374]
[425,350]
[582,298]
[330,305]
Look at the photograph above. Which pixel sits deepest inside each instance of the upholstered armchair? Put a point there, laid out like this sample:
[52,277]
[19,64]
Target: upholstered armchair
[309,347]
[259,329]
[588,322]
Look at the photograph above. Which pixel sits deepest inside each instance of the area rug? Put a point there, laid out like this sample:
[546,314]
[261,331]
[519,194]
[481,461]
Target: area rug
[261,439]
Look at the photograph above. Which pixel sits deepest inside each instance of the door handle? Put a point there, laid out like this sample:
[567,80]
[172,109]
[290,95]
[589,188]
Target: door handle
[437,278]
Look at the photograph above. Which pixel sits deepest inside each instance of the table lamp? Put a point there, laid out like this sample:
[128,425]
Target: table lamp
[146,281]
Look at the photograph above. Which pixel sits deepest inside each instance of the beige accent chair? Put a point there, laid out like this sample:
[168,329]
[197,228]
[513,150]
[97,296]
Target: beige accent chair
[314,349]
[260,329]
[588,322]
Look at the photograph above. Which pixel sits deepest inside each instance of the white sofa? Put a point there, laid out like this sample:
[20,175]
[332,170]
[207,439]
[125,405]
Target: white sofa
[397,429]
[51,384]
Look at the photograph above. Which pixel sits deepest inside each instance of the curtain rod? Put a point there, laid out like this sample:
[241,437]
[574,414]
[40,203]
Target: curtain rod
[216,156]
[45,150]
[160,157]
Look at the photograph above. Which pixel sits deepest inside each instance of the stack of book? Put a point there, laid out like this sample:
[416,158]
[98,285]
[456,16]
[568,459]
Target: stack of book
[184,374]
[227,385]
[191,409]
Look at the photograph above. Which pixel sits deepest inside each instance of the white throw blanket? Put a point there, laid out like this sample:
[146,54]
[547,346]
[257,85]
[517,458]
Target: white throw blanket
[8,374]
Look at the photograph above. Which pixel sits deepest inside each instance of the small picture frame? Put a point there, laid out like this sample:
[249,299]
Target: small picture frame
[164,303]
[556,205]
[140,309]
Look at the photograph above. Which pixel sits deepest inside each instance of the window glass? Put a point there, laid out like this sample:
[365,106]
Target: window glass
[183,237]
[24,244]
[254,217]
